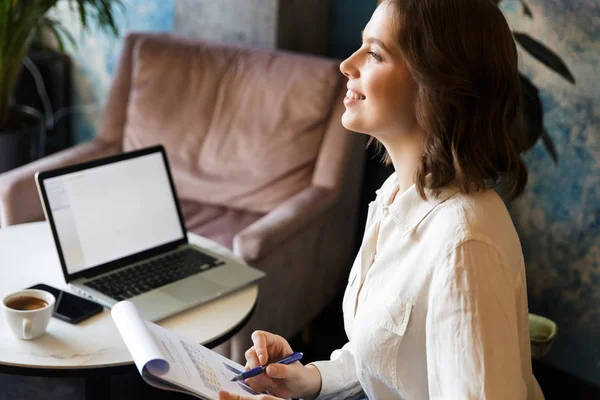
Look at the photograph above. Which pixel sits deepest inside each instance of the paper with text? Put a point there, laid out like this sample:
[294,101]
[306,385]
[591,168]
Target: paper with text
[169,361]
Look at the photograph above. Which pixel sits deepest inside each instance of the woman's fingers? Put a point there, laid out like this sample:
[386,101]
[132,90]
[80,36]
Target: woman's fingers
[223,395]
[260,346]
[269,347]
[251,358]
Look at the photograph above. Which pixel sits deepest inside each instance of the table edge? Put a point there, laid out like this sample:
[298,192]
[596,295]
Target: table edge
[113,369]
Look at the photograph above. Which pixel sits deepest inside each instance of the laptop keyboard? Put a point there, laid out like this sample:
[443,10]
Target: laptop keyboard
[153,274]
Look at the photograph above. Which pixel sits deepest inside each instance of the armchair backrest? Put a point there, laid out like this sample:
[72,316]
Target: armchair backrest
[243,127]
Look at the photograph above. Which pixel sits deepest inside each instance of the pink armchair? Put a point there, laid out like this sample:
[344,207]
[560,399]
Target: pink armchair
[259,157]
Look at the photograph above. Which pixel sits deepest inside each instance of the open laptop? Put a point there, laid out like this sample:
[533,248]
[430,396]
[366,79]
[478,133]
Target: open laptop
[120,234]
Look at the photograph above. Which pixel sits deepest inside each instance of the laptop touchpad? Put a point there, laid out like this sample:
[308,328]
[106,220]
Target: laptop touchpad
[192,289]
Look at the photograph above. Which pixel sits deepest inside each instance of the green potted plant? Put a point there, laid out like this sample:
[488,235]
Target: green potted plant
[21,23]
[533,114]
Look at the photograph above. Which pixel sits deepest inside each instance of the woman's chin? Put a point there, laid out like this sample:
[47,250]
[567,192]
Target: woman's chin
[351,123]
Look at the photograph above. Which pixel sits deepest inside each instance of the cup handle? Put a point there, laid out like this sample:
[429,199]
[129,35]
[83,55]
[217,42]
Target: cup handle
[26,328]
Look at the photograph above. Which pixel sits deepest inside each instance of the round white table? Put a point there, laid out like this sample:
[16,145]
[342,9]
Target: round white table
[93,348]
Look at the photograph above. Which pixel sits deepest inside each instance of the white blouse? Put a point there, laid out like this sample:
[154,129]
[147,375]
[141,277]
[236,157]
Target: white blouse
[436,303]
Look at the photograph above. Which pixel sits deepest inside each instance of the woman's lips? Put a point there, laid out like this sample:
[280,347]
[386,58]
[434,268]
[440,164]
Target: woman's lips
[353,98]
[348,102]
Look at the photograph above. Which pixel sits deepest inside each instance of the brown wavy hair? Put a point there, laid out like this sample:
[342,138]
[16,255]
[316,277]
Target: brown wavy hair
[463,57]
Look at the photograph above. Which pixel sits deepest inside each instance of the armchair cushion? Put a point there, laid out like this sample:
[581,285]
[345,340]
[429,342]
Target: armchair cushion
[230,141]
[262,236]
[216,222]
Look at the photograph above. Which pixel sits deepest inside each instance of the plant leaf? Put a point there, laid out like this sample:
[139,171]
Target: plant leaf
[102,12]
[82,14]
[526,9]
[549,144]
[21,20]
[63,30]
[544,55]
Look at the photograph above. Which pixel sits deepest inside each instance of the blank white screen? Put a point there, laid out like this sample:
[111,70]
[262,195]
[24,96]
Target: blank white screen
[109,212]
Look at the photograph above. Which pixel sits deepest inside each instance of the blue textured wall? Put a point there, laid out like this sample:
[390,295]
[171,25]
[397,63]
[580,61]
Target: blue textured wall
[558,217]
[96,55]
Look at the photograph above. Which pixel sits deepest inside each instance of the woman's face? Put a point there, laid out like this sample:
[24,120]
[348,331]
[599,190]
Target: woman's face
[381,91]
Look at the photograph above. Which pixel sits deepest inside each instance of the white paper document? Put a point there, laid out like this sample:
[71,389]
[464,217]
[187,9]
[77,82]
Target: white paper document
[169,361]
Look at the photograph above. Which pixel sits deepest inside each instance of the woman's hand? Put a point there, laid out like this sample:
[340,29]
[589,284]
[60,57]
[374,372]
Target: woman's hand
[293,380]
[223,395]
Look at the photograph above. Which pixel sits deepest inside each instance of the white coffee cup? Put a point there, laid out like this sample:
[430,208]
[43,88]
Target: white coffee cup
[28,312]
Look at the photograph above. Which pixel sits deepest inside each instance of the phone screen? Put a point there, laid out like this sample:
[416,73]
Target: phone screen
[70,308]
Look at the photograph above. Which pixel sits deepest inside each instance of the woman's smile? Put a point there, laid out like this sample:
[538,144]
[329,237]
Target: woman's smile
[353,98]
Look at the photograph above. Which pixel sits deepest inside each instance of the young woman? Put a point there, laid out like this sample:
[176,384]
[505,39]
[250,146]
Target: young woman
[436,302]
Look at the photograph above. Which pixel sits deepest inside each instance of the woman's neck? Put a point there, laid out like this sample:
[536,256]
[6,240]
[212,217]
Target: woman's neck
[405,155]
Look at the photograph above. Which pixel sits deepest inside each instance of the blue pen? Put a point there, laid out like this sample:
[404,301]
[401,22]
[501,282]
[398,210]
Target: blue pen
[259,370]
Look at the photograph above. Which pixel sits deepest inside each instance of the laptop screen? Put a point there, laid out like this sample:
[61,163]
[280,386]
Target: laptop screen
[112,211]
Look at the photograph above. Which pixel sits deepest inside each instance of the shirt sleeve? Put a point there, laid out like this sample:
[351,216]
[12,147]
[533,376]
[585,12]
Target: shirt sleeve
[472,334]
[338,376]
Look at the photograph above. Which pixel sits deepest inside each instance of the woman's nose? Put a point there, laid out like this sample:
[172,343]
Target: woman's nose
[348,69]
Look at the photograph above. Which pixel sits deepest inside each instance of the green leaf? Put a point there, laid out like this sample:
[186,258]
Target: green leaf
[82,14]
[22,20]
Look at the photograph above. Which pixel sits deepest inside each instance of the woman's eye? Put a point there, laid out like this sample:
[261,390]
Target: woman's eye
[375,55]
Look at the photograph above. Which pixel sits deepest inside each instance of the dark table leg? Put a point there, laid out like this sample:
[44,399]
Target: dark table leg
[97,387]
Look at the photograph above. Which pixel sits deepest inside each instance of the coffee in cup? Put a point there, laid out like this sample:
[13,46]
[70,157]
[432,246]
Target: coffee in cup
[26,303]
[28,312]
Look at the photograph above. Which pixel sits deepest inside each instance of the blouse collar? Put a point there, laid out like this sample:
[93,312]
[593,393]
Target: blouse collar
[408,209]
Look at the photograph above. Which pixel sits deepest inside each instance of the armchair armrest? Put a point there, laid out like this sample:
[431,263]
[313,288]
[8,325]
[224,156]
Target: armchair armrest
[263,235]
[19,200]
